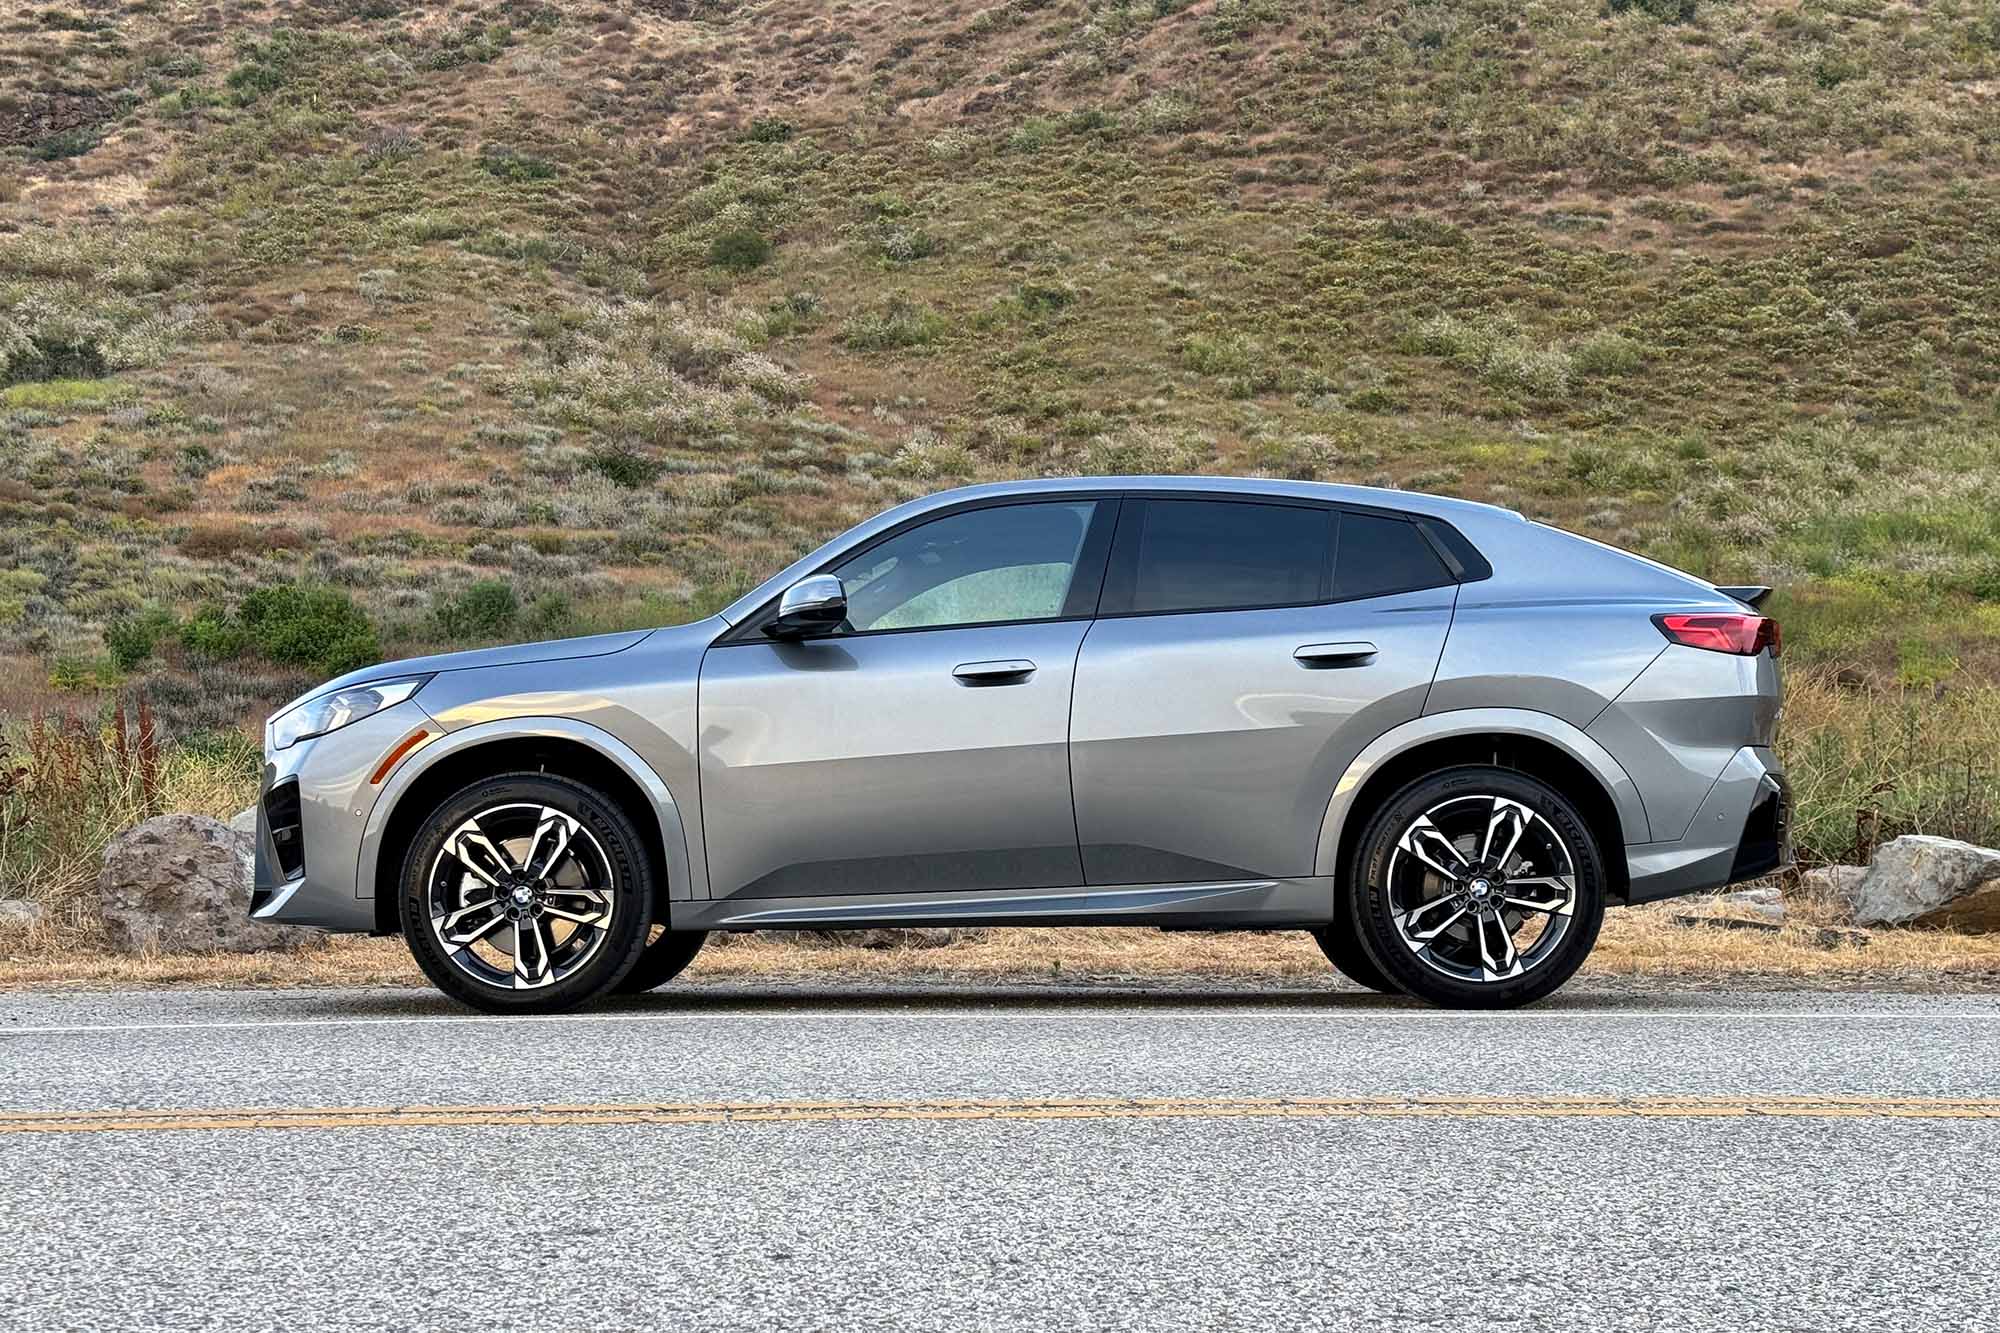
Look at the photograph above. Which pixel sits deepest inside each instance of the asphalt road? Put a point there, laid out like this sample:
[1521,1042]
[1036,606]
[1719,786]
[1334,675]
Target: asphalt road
[785,1160]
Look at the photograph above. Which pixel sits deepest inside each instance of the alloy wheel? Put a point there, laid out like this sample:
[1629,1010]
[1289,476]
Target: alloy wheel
[1482,888]
[520,896]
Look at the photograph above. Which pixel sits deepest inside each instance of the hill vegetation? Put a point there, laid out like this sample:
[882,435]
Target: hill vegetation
[339,328]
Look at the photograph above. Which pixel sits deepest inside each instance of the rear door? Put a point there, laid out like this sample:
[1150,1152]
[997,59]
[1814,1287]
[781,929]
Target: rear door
[1245,652]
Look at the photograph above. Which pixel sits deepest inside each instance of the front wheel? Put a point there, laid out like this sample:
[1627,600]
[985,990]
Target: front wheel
[527,893]
[1477,888]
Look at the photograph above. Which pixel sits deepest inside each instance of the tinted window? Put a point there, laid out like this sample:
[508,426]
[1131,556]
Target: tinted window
[1012,562]
[1197,555]
[1384,555]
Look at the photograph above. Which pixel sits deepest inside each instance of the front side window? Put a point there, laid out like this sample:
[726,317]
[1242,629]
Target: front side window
[1215,555]
[1009,562]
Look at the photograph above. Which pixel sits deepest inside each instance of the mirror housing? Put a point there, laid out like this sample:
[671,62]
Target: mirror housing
[814,605]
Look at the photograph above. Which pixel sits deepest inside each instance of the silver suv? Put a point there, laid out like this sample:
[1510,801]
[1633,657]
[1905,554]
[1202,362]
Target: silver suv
[1440,737]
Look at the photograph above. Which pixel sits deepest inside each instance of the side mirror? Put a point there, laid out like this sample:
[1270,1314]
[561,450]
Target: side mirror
[813,605]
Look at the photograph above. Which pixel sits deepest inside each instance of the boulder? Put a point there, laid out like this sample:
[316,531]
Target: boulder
[1914,877]
[181,883]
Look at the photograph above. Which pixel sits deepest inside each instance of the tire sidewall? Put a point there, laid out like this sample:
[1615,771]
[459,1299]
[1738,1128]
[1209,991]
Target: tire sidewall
[1371,916]
[632,882]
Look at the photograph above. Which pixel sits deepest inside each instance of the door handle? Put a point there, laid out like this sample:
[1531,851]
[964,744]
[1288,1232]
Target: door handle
[1010,672]
[1334,654]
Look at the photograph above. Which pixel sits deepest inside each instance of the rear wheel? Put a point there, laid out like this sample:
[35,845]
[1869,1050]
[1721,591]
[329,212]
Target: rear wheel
[664,959]
[1342,948]
[1477,888]
[527,893]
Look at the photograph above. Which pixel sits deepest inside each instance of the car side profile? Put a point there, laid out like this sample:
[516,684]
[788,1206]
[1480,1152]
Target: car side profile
[1439,736]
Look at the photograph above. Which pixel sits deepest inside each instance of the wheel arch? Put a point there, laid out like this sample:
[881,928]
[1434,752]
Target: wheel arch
[1535,743]
[557,745]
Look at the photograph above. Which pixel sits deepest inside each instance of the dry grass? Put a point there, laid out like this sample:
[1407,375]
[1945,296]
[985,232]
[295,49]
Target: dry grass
[1640,944]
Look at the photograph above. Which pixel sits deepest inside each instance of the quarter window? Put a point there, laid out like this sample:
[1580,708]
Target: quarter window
[1009,562]
[1211,555]
[1379,556]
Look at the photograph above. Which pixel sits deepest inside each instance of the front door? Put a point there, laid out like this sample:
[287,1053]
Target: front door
[1248,651]
[924,744]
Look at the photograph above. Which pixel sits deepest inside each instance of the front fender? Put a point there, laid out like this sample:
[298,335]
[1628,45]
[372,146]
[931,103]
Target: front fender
[681,881]
[1564,736]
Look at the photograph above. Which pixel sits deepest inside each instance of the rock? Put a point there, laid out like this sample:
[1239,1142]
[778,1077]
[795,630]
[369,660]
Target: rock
[1977,913]
[244,821]
[1763,901]
[18,915]
[919,937]
[182,883]
[1915,875]
[1833,885]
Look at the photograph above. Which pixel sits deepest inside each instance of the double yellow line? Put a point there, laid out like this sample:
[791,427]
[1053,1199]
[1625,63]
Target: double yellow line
[1164,1108]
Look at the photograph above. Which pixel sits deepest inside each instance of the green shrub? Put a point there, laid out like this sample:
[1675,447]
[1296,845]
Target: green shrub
[69,143]
[549,616]
[309,625]
[213,635]
[899,323]
[625,467]
[770,129]
[130,639]
[739,250]
[482,611]
[510,164]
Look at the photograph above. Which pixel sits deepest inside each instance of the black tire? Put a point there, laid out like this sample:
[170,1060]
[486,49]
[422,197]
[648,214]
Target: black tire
[600,852]
[1398,897]
[663,960]
[1342,948]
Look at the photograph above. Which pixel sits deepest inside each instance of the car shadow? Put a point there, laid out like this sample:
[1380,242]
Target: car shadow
[783,996]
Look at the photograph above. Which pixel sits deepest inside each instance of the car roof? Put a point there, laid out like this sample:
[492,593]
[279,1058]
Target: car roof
[1412,502]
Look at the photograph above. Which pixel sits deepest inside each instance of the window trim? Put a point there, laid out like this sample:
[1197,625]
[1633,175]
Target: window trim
[1461,558]
[1081,603]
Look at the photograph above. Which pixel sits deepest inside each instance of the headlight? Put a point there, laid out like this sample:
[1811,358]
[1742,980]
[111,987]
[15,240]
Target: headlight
[331,712]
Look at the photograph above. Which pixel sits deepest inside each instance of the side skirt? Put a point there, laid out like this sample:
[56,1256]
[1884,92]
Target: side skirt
[1222,905]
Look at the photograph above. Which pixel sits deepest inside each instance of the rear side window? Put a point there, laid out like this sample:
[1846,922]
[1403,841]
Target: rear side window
[1379,556]
[1212,555]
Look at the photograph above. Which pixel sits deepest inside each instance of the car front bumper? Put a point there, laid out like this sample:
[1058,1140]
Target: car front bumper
[311,813]
[1741,830]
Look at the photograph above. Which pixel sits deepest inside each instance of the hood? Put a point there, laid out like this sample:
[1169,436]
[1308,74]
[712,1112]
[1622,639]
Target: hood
[554,650]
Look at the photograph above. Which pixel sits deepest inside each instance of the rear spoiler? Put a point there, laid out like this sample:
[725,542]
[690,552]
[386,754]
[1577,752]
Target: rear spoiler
[1750,595]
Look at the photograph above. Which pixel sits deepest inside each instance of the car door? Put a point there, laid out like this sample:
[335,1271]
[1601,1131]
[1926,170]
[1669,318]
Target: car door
[923,745]
[1244,654]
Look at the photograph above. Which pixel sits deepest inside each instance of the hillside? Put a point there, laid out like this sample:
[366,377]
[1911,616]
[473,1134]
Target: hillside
[524,319]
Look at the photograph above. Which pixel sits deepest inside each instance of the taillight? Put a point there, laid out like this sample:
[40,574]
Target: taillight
[1721,631]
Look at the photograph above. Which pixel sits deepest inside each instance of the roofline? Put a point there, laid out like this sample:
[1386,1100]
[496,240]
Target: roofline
[1414,502]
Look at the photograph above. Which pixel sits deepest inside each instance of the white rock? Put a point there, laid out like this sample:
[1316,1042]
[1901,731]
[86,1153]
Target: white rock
[1916,875]
[18,914]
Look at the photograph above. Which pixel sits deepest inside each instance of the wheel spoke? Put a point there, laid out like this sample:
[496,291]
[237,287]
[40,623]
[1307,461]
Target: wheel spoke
[1558,896]
[531,954]
[594,917]
[1498,959]
[1423,833]
[469,846]
[456,939]
[1416,934]
[1511,815]
[554,832]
